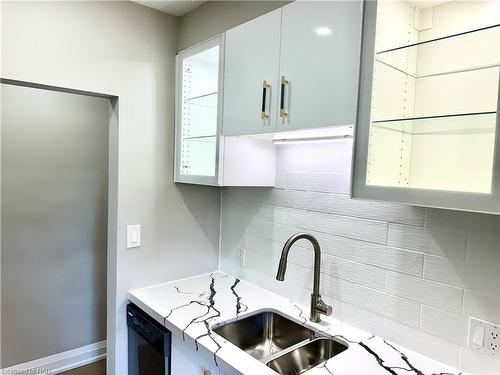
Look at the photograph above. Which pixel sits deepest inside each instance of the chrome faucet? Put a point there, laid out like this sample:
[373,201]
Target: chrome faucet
[318,307]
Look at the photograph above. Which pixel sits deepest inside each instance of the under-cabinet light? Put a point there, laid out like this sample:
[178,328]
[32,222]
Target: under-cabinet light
[314,135]
[307,140]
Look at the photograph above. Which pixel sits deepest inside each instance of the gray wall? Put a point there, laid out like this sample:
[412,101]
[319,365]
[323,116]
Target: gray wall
[215,17]
[127,50]
[54,156]
[411,274]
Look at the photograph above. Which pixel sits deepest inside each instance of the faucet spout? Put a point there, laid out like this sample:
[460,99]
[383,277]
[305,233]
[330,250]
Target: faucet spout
[317,305]
[280,276]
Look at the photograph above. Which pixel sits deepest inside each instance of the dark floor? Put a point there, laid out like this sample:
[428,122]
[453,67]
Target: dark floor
[96,368]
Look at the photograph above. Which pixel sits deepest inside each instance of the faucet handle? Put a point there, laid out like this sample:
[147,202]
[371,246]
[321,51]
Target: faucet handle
[327,310]
[321,307]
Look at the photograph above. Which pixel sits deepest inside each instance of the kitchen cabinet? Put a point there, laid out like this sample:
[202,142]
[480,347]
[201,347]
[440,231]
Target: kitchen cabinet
[294,68]
[251,76]
[198,97]
[187,360]
[428,131]
[319,63]
[202,155]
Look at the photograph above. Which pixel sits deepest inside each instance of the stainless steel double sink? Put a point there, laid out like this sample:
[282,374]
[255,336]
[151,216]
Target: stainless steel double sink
[280,343]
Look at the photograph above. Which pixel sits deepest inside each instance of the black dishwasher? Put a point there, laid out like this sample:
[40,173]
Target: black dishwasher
[149,344]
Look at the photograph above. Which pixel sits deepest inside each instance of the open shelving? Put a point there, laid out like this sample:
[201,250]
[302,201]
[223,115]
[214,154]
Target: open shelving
[206,100]
[434,100]
[464,123]
[199,114]
[462,52]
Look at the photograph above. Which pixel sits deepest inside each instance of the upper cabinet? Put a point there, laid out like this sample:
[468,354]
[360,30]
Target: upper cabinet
[198,102]
[427,129]
[251,76]
[202,155]
[319,64]
[294,68]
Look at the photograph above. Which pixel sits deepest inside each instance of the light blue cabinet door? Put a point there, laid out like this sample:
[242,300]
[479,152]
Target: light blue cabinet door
[252,57]
[320,57]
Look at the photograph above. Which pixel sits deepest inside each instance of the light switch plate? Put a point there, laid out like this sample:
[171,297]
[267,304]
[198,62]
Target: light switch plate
[133,236]
[484,337]
[242,256]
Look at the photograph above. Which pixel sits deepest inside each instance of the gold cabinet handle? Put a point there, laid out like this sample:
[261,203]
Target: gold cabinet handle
[283,111]
[265,86]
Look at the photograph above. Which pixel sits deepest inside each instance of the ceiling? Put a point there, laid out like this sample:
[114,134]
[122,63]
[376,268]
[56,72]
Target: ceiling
[176,8]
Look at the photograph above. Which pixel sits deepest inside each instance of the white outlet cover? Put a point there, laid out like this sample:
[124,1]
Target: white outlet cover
[134,236]
[484,337]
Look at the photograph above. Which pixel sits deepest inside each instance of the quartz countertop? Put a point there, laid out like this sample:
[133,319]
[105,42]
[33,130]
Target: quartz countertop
[191,307]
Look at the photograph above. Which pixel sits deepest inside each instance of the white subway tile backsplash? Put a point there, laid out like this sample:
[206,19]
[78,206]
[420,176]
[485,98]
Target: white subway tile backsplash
[405,311]
[262,245]
[307,200]
[414,275]
[474,363]
[272,231]
[338,225]
[422,342]
[310,181]
[341,183]
[463,221]
[343,205]
[445,270]
[394,213]
[452,327]
[391,307]
[323,158]
[482,306]
[337,183]
[442,296]
[261,263]
[479,272]
[297,274]
[334,245]
[390,258]
[369,276]
[279,181]
[443,243]
[356,316]
[245,195]
[342,289]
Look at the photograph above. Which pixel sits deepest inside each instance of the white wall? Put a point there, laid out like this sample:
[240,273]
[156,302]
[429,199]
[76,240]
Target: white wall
[127,50]
[54,222]
[413,275]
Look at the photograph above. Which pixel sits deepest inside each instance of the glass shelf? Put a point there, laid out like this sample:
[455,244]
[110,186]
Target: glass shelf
[465,123]
[453,153]
[462,52]
[202,138]
[200,155]
[205,100]
[439,39]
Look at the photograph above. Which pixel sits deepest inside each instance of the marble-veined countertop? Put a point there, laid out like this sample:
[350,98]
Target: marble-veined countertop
[191,307]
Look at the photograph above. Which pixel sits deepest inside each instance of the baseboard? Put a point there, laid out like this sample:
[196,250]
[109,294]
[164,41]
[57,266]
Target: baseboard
[60,362]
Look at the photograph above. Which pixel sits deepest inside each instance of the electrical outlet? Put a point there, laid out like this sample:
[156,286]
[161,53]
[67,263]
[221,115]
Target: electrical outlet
[494,341]
[242,256]
[484,337]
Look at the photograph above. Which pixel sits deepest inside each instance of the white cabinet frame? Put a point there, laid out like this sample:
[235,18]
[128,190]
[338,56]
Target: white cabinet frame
[488,203]
[196,179]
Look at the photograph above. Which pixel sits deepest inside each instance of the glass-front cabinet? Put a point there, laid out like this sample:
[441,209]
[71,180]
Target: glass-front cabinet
[199,71]
[427,129]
